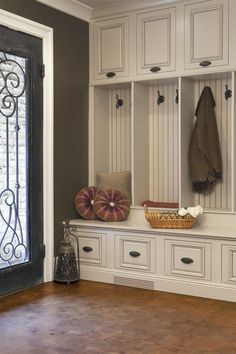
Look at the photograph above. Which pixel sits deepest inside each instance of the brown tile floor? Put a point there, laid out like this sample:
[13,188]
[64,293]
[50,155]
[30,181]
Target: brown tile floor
[89,317]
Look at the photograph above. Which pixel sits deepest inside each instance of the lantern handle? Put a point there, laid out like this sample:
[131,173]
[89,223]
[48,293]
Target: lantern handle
[68,232]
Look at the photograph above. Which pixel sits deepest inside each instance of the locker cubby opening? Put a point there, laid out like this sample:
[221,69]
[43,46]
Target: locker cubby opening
[156,142]
[110,130]
[220,197]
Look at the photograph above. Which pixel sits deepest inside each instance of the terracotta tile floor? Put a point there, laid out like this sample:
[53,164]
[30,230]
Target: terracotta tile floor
[89,317]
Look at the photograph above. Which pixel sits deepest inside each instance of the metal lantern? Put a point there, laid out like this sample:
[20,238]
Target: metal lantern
[66,268]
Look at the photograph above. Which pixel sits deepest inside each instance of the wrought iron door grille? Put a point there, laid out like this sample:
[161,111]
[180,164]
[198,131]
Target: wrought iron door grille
[14,243]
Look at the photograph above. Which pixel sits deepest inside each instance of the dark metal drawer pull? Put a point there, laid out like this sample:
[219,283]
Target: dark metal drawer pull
[111,74]
[87,249]
[155,69]
[205,63]
[134,254]
[187,260]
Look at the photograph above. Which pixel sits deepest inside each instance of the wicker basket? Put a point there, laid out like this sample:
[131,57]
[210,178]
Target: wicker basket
[169,219]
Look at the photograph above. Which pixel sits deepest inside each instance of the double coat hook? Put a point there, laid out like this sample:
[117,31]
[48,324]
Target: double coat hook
[119,102]
[161,98]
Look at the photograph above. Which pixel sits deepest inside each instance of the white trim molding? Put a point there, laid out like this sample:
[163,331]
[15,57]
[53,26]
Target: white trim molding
[78,9]
[72,7]
[46,33]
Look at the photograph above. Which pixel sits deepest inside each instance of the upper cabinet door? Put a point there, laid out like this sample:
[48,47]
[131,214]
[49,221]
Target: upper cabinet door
[156,41]
[206,34]
[110,48]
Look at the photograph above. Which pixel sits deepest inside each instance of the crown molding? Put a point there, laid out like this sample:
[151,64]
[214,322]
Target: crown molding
[77,9]
[129,7]
[72,7]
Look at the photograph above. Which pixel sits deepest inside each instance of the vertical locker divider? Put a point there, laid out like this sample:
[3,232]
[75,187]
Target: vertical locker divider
[132,103]
[233,146]
[179,139]
[91,139]
[186,113]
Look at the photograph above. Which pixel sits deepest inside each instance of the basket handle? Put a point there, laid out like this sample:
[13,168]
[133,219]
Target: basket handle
[145,208]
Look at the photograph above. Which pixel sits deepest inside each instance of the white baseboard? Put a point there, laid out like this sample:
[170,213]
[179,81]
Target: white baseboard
[206,290]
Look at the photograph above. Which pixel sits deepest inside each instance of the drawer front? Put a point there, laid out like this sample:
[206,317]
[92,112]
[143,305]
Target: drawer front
[228,264]
[92,247]
[136,253]
[188,259]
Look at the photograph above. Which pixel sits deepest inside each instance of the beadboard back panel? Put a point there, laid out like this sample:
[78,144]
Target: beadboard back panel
[144,137]
[119,130]
[220,197]
[110,130]
[140,138]
[163,143]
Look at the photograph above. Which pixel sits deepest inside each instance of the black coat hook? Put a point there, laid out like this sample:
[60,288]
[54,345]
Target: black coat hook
[161,98]
[119,102]
[228,93]
[177,96]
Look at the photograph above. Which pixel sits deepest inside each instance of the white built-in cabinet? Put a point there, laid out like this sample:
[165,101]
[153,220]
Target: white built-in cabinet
[157,60]
[191,262]
[206,34]
[178,39]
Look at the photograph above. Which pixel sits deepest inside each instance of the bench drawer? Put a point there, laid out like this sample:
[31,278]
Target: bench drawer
[134,252]
[92,247]
[188,259]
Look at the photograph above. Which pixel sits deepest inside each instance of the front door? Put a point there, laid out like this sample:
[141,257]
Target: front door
[21,182]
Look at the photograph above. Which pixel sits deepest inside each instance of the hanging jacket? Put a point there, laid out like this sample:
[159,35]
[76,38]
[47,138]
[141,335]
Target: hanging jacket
[204,150]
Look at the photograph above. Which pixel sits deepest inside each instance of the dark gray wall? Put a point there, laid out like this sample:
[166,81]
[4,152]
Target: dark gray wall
[71,58]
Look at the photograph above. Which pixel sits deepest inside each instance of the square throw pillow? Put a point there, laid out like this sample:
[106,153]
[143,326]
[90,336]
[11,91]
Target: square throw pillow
[120,181]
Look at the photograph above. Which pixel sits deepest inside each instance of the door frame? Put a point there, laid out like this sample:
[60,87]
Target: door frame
[22,24]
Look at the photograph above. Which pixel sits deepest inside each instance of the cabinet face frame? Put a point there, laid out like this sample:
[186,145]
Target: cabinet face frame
[191,11]
[143,19]
[119,26]
[228,264]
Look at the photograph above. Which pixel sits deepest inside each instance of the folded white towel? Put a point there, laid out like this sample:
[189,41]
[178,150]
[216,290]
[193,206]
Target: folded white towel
[193,211]
[182,211]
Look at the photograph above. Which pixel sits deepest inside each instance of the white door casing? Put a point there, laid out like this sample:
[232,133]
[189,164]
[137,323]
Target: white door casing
[19,23]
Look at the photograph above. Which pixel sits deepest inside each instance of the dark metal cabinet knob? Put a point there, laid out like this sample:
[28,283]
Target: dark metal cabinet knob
[187,260]
[87,249]
[155,69]
[110,75]
[205,63]
[134,254]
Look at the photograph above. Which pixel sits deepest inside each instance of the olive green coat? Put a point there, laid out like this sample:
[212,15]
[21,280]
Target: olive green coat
[205,159]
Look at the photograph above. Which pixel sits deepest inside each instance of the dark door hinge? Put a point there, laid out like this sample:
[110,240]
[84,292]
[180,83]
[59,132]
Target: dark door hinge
[44,251]
[42,70]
